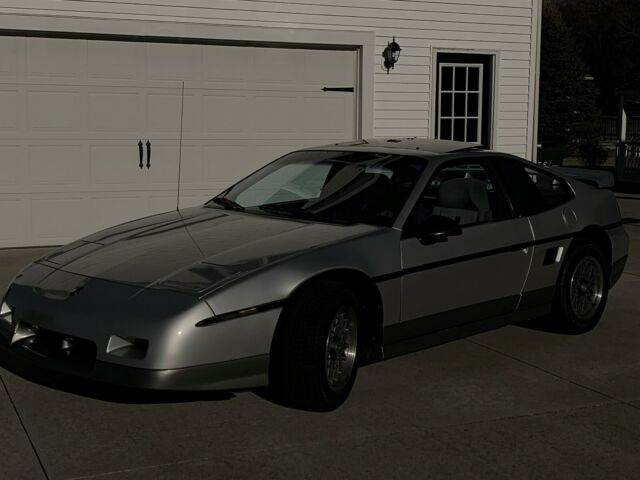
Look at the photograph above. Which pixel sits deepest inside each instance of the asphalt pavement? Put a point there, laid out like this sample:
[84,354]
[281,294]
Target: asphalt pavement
[512,403]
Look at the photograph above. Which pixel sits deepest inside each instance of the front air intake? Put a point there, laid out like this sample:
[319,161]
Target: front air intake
[6,314]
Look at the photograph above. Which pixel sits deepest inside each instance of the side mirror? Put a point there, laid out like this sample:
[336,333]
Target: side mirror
[437,228]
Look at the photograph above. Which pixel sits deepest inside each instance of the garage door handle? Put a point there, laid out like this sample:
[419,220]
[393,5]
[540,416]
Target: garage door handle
[148,153]
[337,89]
[140,152]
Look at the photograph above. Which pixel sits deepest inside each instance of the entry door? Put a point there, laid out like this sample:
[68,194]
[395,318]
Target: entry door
[464,97]
[475,275]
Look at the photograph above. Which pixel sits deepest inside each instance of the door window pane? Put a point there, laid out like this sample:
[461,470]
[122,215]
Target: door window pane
[473,104]
[445,129]
[447,105]
[461,79]
[460,105]
[447,79]
[474,79]
[472,130]
[459,130]
[464,192]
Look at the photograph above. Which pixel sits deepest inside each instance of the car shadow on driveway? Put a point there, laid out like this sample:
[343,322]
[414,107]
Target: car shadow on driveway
[106,392]
[544,324]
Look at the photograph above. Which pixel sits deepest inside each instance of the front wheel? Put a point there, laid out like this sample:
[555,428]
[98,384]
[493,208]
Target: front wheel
[314,358]
[582,289]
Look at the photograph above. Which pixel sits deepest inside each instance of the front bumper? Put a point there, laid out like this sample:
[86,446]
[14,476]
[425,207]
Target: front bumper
[72,333]
[243,373]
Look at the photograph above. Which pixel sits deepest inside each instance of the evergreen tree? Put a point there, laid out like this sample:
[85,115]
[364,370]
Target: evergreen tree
[568,112]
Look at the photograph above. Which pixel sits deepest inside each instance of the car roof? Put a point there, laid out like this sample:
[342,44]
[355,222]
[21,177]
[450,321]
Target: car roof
[404,145]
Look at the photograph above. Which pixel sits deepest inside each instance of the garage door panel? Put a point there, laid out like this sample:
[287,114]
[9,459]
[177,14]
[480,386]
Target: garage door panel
[193,115]
[163,113]
[14,215]
[55,110]
[174,62]
[115,60]
[195,198]
[192,171]
[115,111]
[52,165]
[161,202]
[56,57]
[10,113]
[236,63]
[277,66]
[59,220]
[9,66]
[115,164]
[111,210]
[164,165]
[227,163]
[266,153]
[223,114]
[276,114]
[327,115]
[320,68]
[10,164]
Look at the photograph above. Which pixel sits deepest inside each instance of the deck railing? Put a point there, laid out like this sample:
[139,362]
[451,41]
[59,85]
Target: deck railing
[628,164]
[609,128]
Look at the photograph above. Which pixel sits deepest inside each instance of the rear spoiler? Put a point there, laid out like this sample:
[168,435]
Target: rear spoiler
[595,178]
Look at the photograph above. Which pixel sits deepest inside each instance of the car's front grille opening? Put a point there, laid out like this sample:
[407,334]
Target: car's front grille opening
[127,347]
[54,345]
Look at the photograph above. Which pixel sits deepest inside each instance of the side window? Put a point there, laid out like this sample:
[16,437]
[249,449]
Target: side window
[532,190]
[465,192]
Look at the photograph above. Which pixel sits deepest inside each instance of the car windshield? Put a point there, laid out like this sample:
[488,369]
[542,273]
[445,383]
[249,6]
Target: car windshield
[328,186]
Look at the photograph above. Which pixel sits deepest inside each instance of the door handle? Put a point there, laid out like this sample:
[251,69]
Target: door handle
[148,154]
[140,152]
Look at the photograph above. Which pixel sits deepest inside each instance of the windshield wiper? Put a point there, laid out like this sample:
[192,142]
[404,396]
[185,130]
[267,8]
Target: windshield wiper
[284,211]
[297,212]
[227,203]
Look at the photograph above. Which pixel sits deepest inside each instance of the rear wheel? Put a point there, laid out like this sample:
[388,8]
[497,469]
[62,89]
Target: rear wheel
[314,356]
[582,289]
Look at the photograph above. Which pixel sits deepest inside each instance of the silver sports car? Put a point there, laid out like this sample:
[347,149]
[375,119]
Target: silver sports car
[325,260]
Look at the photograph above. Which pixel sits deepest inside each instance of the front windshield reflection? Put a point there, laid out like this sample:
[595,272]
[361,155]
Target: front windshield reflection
[329,186]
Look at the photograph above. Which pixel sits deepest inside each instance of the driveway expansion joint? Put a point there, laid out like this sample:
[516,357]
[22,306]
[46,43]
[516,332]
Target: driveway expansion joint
[24,428]
[555,375]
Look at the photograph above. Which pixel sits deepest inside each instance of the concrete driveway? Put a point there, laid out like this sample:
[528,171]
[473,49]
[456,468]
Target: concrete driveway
[513,403]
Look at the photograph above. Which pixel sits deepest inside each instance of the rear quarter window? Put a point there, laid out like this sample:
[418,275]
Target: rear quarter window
[532,190]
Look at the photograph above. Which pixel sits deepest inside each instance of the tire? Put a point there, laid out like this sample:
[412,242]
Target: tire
[314,356]
[582,289]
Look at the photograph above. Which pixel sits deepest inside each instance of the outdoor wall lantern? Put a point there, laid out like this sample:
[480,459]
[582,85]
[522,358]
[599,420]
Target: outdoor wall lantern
[391,54]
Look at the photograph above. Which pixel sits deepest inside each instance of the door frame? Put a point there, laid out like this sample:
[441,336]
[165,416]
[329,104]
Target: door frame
[495,64]
[362,42]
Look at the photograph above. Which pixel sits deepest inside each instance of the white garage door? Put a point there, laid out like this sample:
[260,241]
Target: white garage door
[73,111]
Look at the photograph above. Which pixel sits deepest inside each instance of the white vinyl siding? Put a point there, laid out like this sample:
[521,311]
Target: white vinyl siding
[402,99]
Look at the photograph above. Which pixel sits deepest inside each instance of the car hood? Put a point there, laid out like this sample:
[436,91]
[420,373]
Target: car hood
[195,249]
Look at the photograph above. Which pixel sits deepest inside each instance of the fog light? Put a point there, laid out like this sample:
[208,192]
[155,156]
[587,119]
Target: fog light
[6,314]
[127,347]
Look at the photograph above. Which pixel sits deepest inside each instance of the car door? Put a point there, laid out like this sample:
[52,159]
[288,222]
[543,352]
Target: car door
[543,198]
[475,275]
